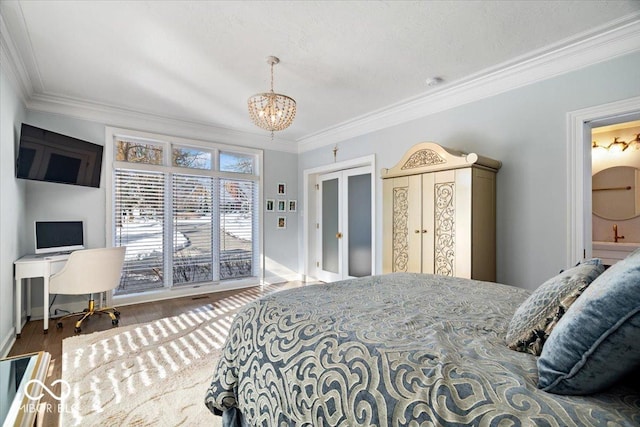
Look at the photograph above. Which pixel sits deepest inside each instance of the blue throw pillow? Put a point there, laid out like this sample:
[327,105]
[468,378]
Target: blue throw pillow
[597,341]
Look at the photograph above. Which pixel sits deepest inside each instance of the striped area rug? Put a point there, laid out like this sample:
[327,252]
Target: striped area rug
[151,374]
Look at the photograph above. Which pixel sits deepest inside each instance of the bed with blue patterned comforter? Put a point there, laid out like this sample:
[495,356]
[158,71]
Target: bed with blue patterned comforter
[393,350]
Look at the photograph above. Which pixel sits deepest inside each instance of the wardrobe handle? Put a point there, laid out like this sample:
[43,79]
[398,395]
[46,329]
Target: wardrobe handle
[417,231]
[424,231]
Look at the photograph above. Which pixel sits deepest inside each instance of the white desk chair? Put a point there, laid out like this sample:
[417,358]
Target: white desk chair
[89,271]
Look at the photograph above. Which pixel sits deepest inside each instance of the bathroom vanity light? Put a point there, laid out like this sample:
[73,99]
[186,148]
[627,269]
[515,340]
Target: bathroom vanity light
[634,144]
[617,146]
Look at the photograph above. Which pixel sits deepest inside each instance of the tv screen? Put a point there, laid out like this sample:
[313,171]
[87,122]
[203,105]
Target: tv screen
[58,236]
[48,156]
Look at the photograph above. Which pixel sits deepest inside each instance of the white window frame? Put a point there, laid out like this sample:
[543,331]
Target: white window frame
[111,134]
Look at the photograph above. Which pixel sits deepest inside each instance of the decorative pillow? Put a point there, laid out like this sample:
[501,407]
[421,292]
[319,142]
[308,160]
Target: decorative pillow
[597,341]
[534,320]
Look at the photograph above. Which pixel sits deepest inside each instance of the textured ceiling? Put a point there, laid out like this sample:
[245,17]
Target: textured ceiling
[199,61]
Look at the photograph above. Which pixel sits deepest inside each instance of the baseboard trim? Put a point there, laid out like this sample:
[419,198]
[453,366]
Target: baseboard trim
[37,313]
[273,279]
[7,343]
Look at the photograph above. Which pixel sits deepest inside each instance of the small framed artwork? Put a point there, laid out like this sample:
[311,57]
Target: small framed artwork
[282,205]
[282,222]
[293,205]
[270,207]
[282,189]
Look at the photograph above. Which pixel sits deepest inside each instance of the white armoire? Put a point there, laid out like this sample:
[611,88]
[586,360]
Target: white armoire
[439,213]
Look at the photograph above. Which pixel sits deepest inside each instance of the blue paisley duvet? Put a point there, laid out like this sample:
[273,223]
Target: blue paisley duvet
[393,350]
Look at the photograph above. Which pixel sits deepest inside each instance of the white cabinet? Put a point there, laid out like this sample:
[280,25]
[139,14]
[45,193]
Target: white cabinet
[439,213]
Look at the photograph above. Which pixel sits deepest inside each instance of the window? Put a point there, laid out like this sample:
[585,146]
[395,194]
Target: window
[139,215]
[234,162]
[185,218]
[138,152]
[236,222]
[193,229]
[191,158]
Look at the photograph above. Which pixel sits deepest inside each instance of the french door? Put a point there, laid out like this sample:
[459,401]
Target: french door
[344,228]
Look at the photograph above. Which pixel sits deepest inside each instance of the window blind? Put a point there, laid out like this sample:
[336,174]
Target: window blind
[139,225]
[236,228]
[192,229]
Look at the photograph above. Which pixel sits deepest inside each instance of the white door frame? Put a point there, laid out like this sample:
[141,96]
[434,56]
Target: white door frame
[579,172]
[309,206]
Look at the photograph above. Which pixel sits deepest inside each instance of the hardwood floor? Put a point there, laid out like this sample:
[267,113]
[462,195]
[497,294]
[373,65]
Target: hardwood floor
[33,339]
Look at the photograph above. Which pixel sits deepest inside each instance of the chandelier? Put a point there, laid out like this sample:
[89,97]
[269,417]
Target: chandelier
[272,111]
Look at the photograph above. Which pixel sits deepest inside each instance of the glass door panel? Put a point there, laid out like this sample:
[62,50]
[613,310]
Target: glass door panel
[359,238]
[330,226]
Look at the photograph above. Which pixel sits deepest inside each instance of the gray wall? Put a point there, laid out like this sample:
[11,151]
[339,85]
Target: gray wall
[525,129]
[280,245]
[51,201]
[12,206]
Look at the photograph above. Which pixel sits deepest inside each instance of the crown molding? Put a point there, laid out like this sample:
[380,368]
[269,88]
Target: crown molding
[12,64]
[121,117]
[615,39]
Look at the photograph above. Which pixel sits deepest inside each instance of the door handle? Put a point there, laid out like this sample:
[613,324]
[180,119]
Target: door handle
[338,235]
[424,231]
[417,231]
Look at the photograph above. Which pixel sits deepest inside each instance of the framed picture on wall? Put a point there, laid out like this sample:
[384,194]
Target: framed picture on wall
[282,222]
[282,205]
[293,204]
[270,205]
[282,189]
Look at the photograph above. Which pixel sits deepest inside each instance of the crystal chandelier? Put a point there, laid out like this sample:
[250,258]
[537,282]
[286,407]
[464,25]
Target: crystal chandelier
[272,111]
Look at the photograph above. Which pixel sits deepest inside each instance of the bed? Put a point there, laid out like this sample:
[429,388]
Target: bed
[393,350]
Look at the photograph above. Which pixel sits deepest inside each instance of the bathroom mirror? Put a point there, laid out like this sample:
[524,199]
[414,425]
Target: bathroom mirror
[615,193]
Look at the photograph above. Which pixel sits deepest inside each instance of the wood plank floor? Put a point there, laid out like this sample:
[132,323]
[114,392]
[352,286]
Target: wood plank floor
[33,339]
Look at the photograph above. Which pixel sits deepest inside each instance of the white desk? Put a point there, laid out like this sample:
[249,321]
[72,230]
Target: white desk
[29,267]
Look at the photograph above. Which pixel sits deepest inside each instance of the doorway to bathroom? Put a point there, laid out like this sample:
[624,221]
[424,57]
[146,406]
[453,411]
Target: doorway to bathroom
[615,190]
[580,124]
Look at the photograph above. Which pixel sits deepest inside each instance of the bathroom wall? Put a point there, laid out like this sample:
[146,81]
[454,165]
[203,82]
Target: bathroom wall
[603,159]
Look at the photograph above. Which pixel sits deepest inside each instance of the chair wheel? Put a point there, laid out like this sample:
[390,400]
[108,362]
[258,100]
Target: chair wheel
[116,313]
[77,330]
[115,322]
[59,325]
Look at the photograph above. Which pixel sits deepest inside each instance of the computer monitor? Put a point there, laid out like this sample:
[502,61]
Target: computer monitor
[58,236]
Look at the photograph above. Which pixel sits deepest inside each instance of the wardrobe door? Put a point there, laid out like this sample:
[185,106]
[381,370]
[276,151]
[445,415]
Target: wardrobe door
[427,228]
[450,207]
[402,227]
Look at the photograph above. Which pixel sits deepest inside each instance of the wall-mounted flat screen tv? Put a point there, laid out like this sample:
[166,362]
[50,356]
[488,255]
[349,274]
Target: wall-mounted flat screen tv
[48,156]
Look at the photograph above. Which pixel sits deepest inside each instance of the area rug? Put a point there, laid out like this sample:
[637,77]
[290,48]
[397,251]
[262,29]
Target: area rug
[152,374]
